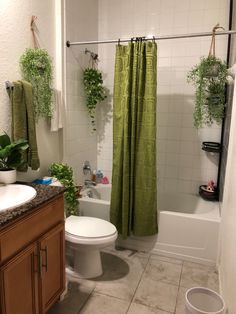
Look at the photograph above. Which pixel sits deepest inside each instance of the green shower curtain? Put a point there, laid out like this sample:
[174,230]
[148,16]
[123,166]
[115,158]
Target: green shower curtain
[133,197]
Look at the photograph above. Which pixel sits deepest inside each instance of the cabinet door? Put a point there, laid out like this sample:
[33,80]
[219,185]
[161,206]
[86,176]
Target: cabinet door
[19,283]
[52,269]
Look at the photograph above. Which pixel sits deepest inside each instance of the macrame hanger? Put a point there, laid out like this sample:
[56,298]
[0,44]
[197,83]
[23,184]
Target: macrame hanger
[93,58]
[34,30]
[212,50]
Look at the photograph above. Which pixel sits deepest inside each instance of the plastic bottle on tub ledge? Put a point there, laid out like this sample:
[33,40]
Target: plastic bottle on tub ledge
[99,176]
[94,176]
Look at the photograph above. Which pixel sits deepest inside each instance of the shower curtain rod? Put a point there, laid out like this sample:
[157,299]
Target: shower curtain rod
[124,40]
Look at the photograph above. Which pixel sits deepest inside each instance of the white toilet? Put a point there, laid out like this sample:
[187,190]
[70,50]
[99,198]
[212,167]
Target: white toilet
[86,236]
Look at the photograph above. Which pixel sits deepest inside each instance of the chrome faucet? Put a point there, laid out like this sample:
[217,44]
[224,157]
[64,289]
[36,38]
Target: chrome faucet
[88,174]
[87,168]
[88,183]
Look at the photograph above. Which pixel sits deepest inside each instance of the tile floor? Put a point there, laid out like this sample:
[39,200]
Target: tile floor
[136,283]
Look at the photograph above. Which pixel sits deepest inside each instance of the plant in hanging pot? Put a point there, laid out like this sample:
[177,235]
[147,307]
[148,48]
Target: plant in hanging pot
[209,77]
[94,90]
[36,68]
[10,157]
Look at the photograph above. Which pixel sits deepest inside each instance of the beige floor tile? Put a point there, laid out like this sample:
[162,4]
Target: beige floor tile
[102,304]
[143,309]
[180,306]
[121,275]
[163,271]
[194,274]
[156,294]
[76,297]
[166,259]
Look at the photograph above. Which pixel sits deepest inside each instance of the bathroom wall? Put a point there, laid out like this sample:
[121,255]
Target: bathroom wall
[81,23]
[15,36]
[228,226]
[182,165]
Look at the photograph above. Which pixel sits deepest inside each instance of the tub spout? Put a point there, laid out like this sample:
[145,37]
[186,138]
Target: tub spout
[88,183]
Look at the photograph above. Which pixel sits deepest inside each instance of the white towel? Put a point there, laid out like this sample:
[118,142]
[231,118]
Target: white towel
[56,120]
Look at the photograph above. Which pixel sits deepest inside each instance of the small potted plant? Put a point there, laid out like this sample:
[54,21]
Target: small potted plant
[10,157]
[64,174]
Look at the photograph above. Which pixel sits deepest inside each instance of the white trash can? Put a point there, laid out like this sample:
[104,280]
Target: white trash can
[199,300]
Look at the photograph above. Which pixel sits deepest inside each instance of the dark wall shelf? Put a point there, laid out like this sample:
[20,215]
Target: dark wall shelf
[212,147]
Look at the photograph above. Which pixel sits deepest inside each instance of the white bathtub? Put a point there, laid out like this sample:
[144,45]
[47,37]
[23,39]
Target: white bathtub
[188,225]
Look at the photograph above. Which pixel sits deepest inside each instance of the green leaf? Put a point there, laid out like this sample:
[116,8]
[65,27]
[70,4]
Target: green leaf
[14,160]
[4,140]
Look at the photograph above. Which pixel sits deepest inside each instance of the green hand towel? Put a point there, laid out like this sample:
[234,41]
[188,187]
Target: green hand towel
[23,122]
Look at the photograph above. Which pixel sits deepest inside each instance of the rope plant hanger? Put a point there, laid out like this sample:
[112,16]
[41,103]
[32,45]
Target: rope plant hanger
[209,77]
[36,67]
[93,86]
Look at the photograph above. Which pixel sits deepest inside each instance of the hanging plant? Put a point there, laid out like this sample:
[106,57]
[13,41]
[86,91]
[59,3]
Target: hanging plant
[95,91]
[36,67]
[209,77]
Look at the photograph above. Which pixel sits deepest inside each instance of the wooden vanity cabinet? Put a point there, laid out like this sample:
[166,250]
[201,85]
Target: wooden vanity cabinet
[32,269]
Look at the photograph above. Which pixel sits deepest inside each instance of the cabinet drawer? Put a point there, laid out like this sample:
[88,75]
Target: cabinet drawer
[31,227]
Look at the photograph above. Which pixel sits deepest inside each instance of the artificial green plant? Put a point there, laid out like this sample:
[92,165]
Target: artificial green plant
[11,152]
[209,77]
[36,67]
[64,174]
[94,90]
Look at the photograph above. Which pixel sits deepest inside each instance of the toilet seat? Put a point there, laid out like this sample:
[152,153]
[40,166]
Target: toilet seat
[89,230]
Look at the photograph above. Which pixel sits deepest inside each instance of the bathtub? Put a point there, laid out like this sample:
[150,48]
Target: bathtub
[188,225]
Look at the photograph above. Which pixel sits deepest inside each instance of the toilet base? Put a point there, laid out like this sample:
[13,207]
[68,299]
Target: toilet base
[87,263]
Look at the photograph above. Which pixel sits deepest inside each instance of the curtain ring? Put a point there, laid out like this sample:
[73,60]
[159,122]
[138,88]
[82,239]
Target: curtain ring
[153,39]
[119,41]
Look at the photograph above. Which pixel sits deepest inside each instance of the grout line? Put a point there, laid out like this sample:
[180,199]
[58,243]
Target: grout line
[138,283]
[87,299]
[179,287]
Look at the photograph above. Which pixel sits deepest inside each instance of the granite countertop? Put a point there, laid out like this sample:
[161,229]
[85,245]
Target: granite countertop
[44,194]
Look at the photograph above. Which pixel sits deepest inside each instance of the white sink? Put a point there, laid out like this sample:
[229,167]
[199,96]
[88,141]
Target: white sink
[13,195]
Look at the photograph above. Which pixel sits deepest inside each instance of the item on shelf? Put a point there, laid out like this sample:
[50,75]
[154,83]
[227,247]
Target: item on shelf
[209,192]
[213,147]
[105,180]
[99,176]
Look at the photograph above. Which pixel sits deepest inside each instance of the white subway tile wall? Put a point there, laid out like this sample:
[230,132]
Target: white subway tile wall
[80,142]
[182,165]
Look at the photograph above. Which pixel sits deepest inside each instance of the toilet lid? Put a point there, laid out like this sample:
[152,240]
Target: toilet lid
[89,227]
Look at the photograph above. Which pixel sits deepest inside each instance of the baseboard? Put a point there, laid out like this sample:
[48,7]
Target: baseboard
[150,245]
